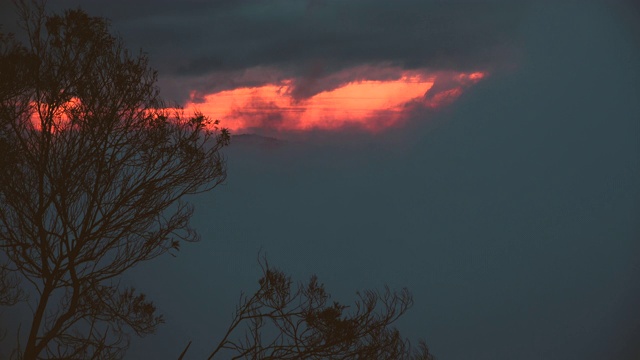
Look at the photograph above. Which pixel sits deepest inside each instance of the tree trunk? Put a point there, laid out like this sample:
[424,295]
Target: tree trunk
[32,350]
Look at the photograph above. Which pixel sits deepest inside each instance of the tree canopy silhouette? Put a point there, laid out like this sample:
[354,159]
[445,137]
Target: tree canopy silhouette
[93,174]
[283,321]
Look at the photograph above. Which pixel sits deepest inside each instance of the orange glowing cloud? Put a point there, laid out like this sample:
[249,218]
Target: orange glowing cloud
[372,105]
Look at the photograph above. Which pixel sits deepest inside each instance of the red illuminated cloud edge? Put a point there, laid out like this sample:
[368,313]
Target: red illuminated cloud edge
[366,97]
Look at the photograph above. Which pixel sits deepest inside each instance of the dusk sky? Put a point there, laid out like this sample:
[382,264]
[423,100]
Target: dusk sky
[484,154]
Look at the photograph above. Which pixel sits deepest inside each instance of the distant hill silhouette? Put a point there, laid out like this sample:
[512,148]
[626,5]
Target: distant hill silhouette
[255,140]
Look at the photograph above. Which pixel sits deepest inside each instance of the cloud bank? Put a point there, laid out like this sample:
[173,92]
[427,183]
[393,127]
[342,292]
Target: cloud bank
[208,50]
[313,47]
[367,98]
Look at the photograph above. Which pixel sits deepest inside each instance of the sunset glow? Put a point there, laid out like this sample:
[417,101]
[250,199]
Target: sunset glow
[369,104]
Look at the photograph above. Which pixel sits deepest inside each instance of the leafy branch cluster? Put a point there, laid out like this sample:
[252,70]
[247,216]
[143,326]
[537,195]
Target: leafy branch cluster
[283,321]
[94,182]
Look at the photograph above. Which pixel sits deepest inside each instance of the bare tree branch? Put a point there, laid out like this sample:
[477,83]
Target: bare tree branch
[92,182]
[282,321]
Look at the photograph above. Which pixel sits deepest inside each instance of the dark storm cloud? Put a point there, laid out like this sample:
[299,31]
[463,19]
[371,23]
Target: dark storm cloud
[192,40]
[276,33]
[311,41]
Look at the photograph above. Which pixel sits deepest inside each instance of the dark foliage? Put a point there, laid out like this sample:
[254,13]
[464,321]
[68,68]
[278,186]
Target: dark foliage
[283,321]
[92,175]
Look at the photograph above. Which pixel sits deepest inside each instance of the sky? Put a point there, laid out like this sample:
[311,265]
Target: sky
[484,154]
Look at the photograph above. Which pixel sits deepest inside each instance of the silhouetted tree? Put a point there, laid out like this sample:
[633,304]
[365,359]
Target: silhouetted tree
[283,321]
[92,175]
